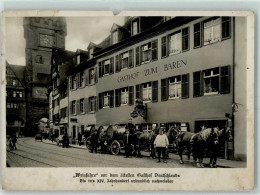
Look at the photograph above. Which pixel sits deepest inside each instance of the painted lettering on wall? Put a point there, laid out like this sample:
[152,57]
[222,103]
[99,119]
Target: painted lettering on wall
[150,71]
[174,65]
[128,77]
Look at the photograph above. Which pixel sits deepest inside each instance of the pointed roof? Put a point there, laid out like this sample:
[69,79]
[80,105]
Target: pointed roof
[91,45]
[114,27]
[18,71]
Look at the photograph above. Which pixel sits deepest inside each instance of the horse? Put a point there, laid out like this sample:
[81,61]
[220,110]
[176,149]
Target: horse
[142,140]
[226,134]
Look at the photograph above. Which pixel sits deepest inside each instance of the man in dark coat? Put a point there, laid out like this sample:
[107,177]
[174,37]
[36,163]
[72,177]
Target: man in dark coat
[127,142]
[79,138]
[130,126]
[94,141]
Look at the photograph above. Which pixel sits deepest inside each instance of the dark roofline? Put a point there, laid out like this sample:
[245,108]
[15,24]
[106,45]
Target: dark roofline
[149,33]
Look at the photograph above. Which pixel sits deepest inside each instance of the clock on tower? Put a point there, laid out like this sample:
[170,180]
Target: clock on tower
[47,40]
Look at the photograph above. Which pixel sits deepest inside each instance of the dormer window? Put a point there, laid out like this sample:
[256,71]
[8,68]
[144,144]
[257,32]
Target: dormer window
[78,59]
[90,53]
[135,27]
[114,37]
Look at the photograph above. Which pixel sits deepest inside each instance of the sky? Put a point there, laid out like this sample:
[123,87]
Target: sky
[80,32]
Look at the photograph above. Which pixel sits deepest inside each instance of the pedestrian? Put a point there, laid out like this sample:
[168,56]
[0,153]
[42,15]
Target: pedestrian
[130,126]
[79,138]
[152,138]
[94,141]
[52,137]
[127,142]
[65,141]
[161,143]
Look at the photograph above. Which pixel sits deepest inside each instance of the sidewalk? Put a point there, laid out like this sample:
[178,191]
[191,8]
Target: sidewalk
[220,162]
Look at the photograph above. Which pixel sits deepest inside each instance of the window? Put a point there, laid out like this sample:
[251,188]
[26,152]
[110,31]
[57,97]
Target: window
[147,127]
[81,78]
[114,37]
[73,107]
[135,28]
[12,105]
[92,76]
[106,99]
[78,59]
[149,52]
[197,35]
[15,82]
[81,104]
[137,56]
[211,81]
[39,59]
[106,67]
[147,91]
[175,87]
[125,60]
[146,53]
[175,43]
[124,96]
[92,104]
[18,94]
[212,31]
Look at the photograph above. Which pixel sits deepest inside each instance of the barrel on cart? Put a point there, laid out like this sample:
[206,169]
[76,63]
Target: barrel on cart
[115,134]
[102,137]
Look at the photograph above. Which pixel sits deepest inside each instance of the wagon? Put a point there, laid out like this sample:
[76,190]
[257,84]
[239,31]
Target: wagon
[115,134]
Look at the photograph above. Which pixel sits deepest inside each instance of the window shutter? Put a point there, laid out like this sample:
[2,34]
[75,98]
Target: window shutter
[100,100]
[155,91]
[78,80]
[225,27]
[201,83]
[100,69]
[86,106]
[95,75]
[137,56]
[130,59]
[111,98]
[116,97]
[117,63]
[164,89]
[87,77]
[137,95]
[77,107]
[155,50]
[225,79]
[185,39]
[197,35]
[163,47]
[185,86]
[120,62]
[131,95]
[141,55]
[111,65]
[196,84]
[96,103]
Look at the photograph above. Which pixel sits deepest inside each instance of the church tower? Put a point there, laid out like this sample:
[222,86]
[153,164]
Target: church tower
[41,35]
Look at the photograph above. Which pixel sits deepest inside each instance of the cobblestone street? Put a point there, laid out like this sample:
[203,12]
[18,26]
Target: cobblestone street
[39,154]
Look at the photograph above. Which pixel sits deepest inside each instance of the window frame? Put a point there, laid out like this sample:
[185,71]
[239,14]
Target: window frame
[81,106]
[145,86]
[175,83]
[73,107]
[212,28]
[124,91]
[81,79]
[114,37]
[137,27]
[92,75]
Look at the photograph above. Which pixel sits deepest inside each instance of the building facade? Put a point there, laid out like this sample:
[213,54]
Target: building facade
[183,69]
[15,99]
[41,35]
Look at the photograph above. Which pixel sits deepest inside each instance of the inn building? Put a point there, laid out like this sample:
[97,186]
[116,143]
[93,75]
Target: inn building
[188,72]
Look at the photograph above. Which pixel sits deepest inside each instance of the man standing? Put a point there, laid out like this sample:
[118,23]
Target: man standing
[127,143]
[161,142]
[79,138]
[94,141]
[130,127]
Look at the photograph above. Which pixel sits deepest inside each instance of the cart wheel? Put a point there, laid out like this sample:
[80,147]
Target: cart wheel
[115,147]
